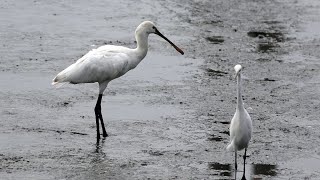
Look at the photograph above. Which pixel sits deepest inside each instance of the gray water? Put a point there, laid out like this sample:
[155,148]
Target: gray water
[169,117]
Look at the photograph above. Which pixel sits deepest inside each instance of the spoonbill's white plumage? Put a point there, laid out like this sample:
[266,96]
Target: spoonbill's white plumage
[107,63]
[241,124]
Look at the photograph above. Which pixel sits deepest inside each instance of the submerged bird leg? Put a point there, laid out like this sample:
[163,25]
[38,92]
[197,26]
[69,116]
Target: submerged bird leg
[97,111]
[104,132]
[244,164]
[235,164]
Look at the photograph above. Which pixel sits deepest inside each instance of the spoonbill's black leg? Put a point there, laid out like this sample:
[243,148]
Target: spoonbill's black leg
[96,110]
[98,114]
[104,132]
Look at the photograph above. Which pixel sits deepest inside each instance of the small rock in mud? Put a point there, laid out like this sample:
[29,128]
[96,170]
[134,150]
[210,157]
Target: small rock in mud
[263,60]
[153,153]
[278,36]
[213,137]
[268,79]
[266,47]
[212,72]
[221,122]
[215,39]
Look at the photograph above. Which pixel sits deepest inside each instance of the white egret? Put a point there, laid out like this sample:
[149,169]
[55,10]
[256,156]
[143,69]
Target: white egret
[107,63]
[241,125]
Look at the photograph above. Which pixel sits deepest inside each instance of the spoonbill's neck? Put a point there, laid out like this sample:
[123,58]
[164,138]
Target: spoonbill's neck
[142,45]
[239,96]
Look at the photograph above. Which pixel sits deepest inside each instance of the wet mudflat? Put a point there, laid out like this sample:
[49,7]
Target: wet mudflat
[168,118]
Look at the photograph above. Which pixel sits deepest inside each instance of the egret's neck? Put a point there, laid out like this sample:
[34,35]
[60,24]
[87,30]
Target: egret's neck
[239,96]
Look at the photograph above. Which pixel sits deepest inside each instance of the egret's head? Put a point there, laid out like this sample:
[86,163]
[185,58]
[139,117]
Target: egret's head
[238,69]
[149,27]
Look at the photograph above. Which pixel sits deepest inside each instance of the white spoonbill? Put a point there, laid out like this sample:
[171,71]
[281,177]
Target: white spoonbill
[107,63]
[241,125]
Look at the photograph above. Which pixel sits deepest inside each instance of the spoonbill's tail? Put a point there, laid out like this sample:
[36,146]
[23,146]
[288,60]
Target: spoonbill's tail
[57,79]
[57,83]
[63,76]
[60,78]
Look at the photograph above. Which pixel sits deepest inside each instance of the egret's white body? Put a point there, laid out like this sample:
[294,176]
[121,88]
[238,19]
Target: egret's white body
[241,124]
[107,63]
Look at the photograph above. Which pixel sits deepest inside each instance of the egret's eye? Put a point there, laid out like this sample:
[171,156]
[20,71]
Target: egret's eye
[153,27]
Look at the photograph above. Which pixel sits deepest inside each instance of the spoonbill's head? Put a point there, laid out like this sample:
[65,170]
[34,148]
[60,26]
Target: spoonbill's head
[149,27]
[238,69]
[146,27]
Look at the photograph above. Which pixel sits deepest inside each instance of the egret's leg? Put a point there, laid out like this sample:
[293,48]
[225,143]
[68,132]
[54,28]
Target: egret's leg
[235,164]
[244,164]
[235,160]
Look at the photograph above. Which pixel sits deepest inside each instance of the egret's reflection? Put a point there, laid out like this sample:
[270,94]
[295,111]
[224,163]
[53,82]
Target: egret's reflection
[252,170]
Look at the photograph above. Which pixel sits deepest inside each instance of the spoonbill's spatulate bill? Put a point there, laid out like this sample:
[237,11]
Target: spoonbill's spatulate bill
[241,125]
[107,63]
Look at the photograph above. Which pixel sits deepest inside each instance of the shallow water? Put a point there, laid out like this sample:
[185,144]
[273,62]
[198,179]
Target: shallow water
[169,117]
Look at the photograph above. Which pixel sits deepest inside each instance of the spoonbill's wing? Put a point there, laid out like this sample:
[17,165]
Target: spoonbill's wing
[95,66]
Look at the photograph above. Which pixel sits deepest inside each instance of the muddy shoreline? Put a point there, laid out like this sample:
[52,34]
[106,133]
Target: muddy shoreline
[168,118]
